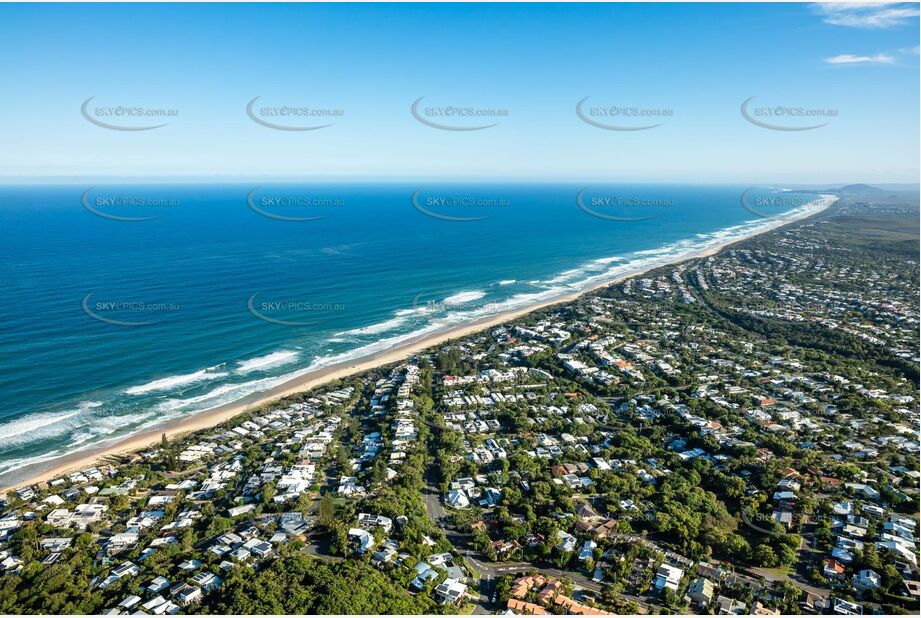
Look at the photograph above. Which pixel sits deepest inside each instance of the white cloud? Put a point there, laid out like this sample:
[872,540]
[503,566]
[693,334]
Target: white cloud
[852,59]
[866,14]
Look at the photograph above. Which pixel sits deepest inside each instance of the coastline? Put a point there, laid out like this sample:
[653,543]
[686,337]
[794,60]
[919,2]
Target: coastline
[40,472]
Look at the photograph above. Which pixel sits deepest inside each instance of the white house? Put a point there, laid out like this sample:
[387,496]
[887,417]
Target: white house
[668,576]
[450,591]
[457,499]
[363,538]
[867,579]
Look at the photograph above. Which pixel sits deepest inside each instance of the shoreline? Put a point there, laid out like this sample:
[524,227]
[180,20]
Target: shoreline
[39,473]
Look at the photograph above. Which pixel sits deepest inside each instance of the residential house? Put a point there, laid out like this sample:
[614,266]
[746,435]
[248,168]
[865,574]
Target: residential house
[701,592]
[668,576]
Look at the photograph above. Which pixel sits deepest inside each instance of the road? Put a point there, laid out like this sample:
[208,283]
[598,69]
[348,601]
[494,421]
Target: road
[773,577]
[431,496]
[318,547]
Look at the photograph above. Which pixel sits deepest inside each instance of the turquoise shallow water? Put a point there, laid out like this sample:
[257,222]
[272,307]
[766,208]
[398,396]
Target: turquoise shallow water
[126,306]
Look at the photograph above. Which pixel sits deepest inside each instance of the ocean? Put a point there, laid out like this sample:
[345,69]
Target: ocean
[126,306]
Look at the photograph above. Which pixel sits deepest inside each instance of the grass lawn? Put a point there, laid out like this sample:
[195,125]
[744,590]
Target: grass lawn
[779,571]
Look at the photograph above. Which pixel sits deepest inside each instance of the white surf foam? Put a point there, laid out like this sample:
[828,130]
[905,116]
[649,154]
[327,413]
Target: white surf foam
[14,464]
[416,310]
[380,327]
[464,297]
[104,426]
[166,384]
[45,425]
[224,394]
[609,260]
[566,275]
[275,359]
[35,427]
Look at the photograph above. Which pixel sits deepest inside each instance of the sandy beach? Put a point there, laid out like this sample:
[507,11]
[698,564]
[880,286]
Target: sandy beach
[48,470]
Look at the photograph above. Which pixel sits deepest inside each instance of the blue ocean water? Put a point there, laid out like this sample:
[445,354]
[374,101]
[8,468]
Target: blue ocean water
[124,306]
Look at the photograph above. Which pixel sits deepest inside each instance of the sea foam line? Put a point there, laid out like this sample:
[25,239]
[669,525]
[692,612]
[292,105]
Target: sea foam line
[165,384]
[380,327]
[275,359]
[464,297]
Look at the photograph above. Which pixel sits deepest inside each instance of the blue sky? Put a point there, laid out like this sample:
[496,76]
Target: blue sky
[698,62]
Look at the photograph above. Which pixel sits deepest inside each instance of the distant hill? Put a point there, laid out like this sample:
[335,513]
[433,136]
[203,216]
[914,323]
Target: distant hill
[869,193]
[860,188]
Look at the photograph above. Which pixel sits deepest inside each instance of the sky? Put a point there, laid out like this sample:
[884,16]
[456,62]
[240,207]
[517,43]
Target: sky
[686,68]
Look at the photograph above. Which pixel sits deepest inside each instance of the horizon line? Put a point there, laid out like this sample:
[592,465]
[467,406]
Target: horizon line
[238,179]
